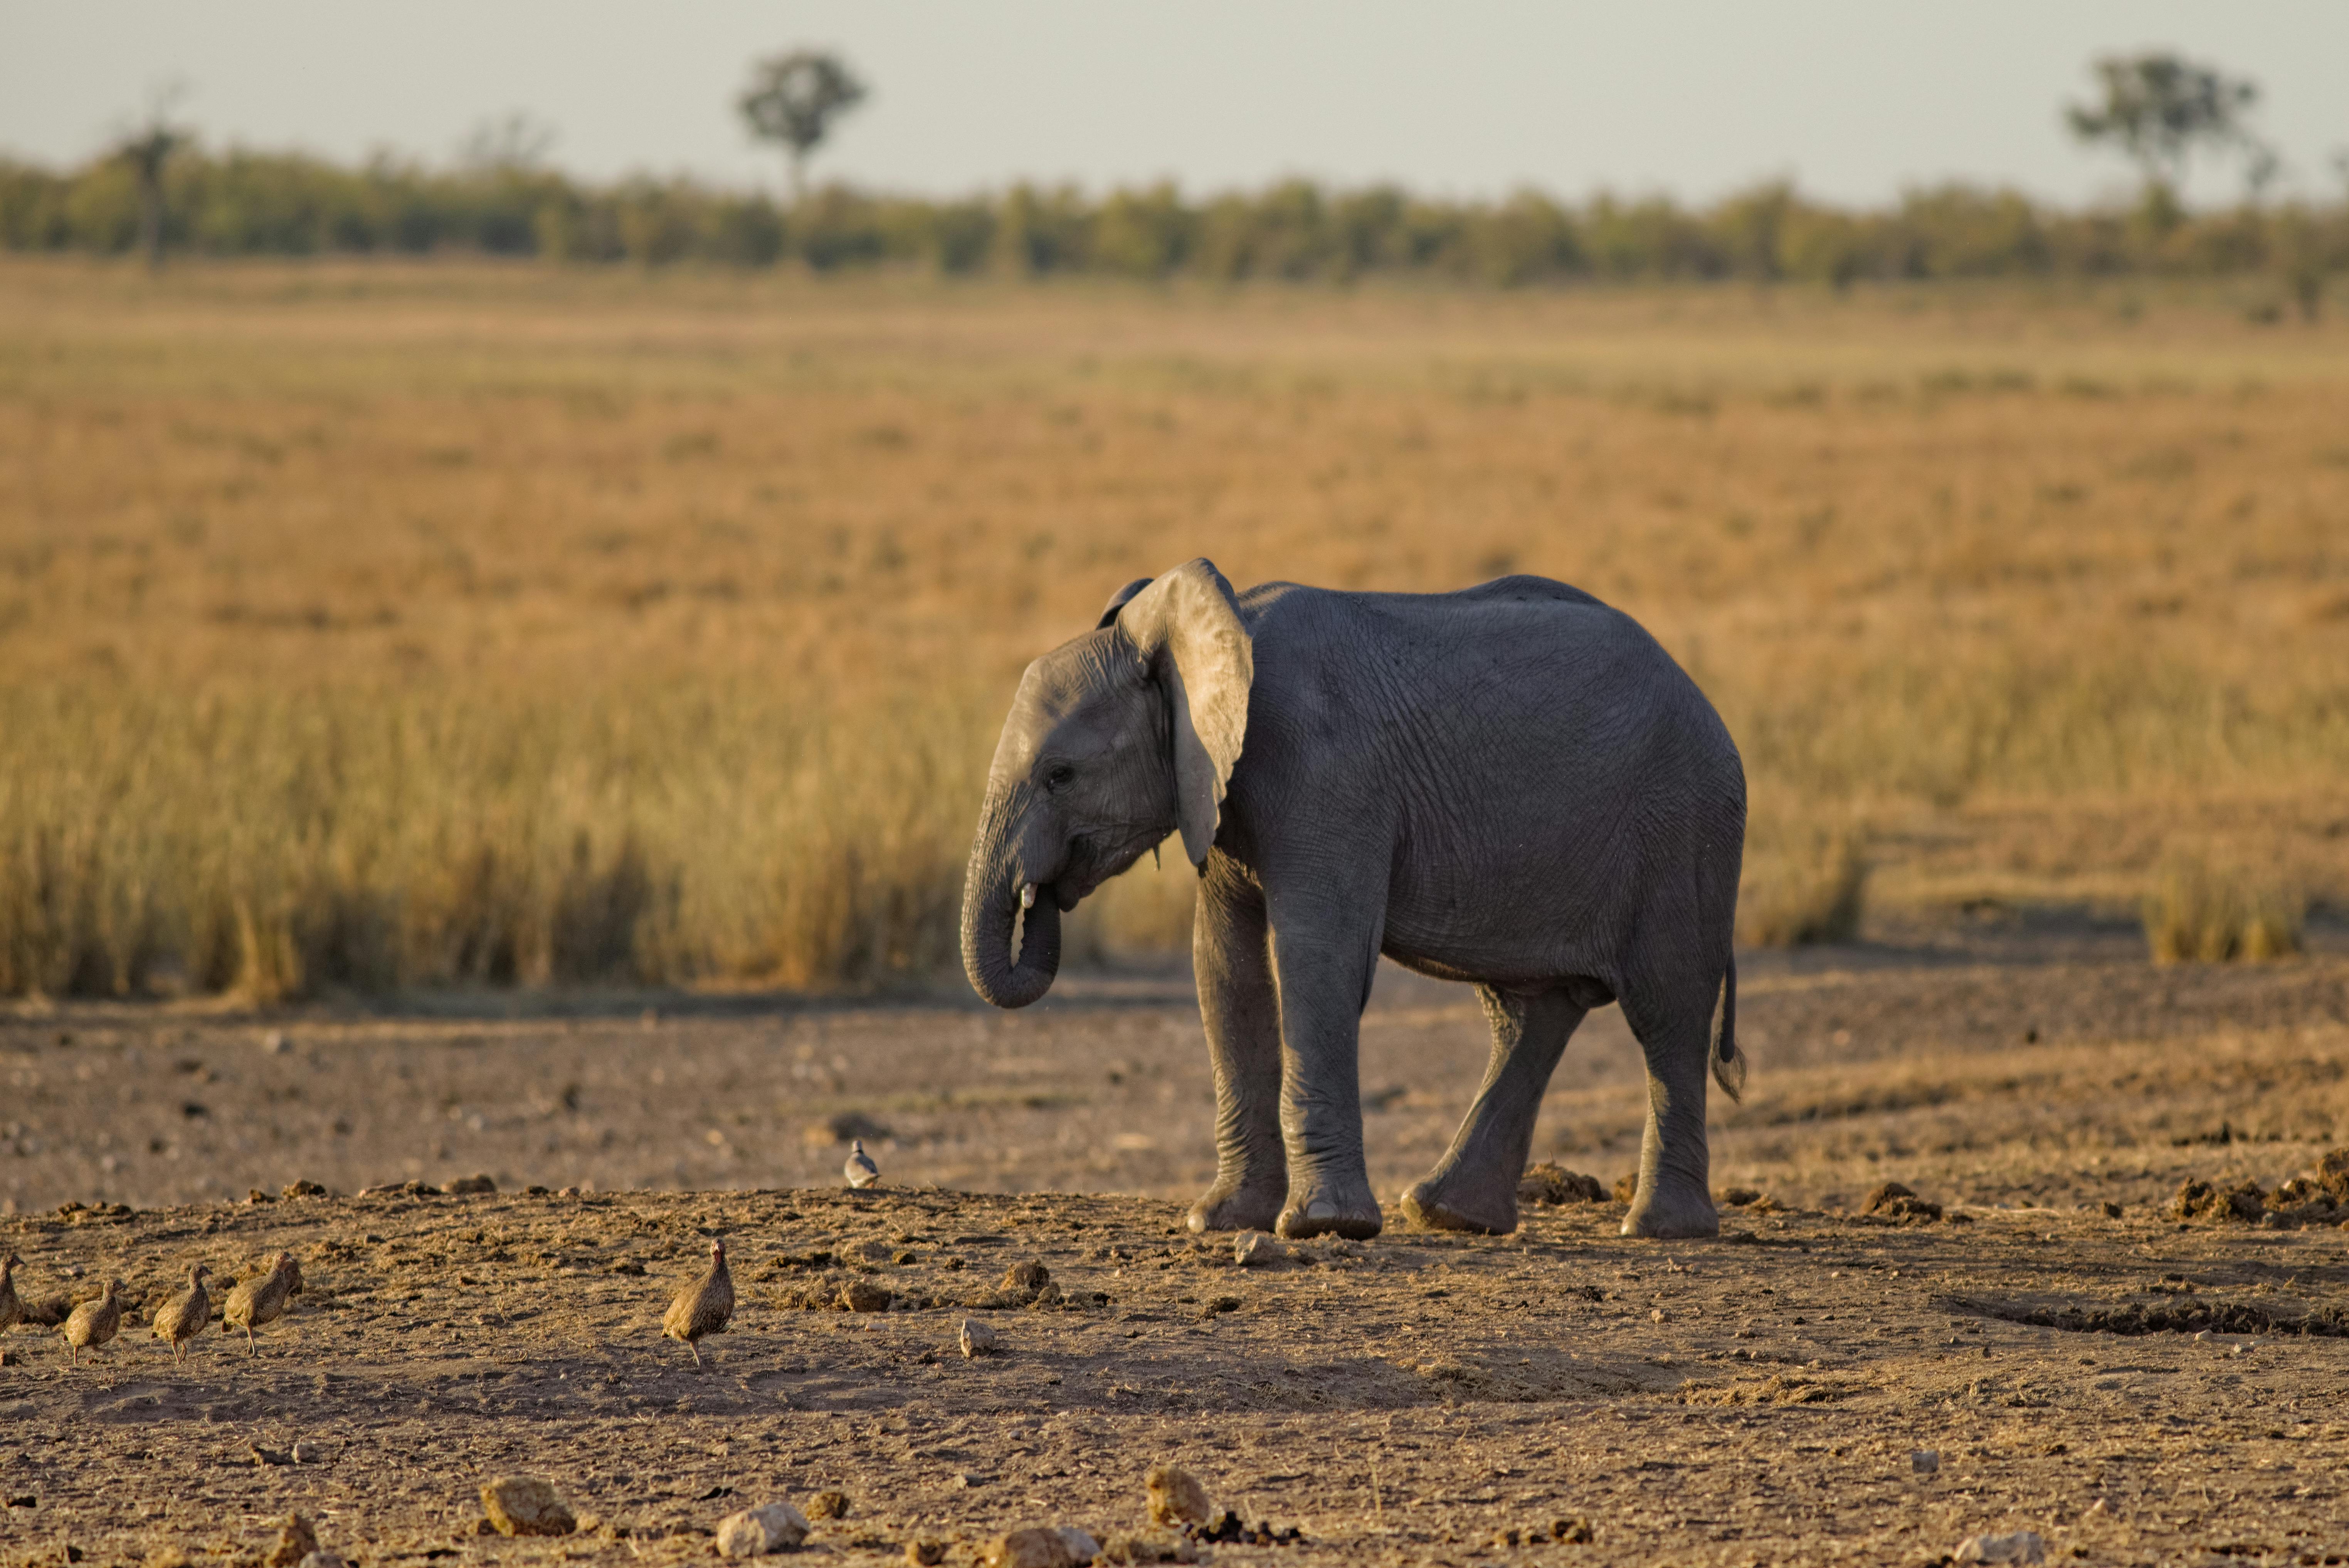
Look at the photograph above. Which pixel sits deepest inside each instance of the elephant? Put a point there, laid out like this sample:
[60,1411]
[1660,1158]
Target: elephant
[1512,786]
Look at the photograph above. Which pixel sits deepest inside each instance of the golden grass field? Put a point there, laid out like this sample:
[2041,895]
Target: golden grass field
[384,625]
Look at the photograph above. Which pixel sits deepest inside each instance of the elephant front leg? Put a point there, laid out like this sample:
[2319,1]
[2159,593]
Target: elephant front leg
[1241,1010]
[1474,1186]
[1323,961]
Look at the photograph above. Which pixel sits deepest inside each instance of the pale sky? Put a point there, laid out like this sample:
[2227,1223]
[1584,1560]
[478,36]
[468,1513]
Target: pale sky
[1852,98]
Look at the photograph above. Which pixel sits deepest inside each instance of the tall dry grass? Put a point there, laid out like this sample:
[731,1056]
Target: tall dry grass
[375,626]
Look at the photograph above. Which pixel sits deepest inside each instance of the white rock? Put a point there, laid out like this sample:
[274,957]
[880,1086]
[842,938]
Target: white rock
[977,1338]
[306,1452]
[1925,1461]
[755,1532]
[1082,1547]
[2022,1546]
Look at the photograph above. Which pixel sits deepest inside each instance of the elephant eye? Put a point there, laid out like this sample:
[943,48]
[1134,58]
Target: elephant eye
[1057,776]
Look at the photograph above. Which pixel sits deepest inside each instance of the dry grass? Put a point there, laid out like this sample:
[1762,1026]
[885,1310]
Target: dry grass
[381,625]
[2199,912]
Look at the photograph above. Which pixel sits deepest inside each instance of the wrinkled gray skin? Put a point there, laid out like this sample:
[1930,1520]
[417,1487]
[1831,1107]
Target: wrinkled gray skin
[1512,786]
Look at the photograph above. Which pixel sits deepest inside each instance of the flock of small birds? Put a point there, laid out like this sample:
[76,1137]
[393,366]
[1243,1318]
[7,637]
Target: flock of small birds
[700,1309]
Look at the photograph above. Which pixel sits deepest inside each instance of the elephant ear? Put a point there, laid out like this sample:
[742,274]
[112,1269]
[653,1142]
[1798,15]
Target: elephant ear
[1117,601]
[1186,626]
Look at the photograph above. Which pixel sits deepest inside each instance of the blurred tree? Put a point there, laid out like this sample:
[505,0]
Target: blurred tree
[510,142]
[146,150]
[2159,109]
[793,99]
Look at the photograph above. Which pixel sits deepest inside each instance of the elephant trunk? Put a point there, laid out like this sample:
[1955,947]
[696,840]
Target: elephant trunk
[991,898]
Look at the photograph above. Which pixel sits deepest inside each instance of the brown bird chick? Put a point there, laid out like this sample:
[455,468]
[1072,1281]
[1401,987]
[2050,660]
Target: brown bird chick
[703,1306]
[261,1299]
[183,1316]
[93,1323]
[12,1311]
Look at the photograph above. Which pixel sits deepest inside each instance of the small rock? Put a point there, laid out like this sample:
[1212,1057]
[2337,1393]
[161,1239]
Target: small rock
[1176,1497]
[523,1505]
[305,1188]
[1034,1547]
[755,1532]
[1574,1530]
[307,1453]
[323,1559]
[1926,1461]
[1152,1546]
[1256,1250]
[2112,1210]
[296,1541]
[828,1505]
[469,1186]
[977,1338]
[926,1553]
[1082,1547]
[864,1295]
[274,1042]
[2022,1546]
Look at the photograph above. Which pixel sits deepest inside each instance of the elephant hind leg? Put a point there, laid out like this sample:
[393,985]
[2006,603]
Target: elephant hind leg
[1675,1034]
[1474,1186]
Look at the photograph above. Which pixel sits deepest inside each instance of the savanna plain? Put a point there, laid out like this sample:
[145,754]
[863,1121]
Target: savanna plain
[528,721]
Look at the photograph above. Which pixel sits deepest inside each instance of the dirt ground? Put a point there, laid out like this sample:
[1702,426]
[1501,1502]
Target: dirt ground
[1415,1398]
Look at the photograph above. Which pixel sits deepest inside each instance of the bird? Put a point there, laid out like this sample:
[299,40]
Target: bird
[261,1299]
[12,1311]
[183,1316]
[93,1323]
[860,1169]
[703,1306]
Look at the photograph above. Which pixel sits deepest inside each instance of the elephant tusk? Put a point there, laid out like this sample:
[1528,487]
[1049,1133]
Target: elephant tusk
[1027,895]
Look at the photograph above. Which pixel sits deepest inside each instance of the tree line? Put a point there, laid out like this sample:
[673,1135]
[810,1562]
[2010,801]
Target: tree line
[243,203]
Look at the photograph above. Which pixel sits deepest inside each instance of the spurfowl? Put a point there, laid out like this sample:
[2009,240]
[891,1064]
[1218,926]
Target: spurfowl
[703,1306]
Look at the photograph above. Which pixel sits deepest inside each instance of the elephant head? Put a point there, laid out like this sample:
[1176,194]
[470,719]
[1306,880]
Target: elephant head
[1115,739]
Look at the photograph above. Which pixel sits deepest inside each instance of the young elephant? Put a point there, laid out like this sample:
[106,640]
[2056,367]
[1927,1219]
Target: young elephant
[1512,786]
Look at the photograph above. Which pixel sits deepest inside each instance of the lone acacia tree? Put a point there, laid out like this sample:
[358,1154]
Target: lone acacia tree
[2159,109]
[793,99]
[147,150]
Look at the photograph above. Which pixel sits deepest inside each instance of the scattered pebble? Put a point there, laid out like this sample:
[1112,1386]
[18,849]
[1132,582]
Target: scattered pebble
[1256,1250]
[307,1453]
[756,1531]
[2021,1546]
[1033,1547]
[1926,1461]
[1176,1497]
[977,1338]
[523,1505]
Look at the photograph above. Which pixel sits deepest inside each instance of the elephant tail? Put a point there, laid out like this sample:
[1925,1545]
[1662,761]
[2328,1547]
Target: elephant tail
[1728,1061]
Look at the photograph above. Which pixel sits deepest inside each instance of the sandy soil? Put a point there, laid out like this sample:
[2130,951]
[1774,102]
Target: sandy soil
[1414,1399]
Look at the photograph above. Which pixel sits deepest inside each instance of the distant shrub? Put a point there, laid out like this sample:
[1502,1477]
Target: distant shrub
[2201,913]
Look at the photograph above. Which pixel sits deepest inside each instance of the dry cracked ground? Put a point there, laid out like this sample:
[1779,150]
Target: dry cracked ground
[2132,1387]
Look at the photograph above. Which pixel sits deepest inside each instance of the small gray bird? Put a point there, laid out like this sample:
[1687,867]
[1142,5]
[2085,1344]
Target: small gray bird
[261,1299]
[704,1306]
[186,1315]
[12,1311]
[93,1323]
[860,1169]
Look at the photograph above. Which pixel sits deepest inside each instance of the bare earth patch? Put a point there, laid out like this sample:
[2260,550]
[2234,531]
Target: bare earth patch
[2132,1387]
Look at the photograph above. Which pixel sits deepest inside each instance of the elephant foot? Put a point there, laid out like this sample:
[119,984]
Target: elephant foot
[1671,1211]
[1321,1205]
[1235,1206]
[1451,1202]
